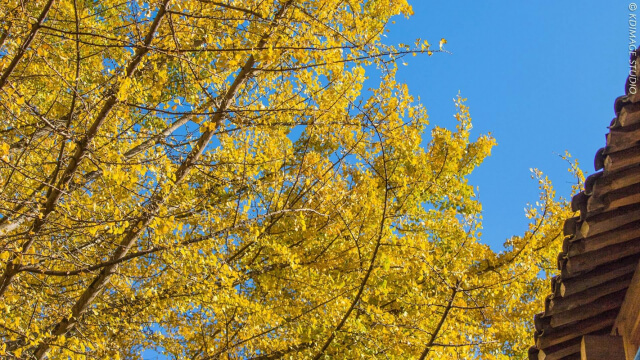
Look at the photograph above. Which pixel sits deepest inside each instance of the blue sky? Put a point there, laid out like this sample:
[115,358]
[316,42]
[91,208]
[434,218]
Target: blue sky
[541,76]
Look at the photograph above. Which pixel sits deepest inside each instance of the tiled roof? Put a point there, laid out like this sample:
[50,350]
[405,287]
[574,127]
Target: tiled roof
[601,249]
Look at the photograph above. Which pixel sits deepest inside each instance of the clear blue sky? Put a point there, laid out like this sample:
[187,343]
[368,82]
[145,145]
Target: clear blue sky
[542,76]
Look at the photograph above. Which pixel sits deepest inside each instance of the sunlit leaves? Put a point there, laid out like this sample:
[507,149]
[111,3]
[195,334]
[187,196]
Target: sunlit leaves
[242,179]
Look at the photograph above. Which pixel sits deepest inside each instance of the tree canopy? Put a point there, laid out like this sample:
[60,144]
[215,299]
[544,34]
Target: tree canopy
[214,179]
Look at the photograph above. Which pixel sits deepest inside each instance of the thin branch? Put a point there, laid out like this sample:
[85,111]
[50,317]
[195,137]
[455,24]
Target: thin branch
[435,333]
[25,44]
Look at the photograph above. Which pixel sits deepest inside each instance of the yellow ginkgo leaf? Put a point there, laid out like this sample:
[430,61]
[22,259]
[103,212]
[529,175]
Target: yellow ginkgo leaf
[442,42]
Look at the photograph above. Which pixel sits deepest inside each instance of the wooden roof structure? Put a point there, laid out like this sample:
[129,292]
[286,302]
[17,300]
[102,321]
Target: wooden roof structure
[601,250]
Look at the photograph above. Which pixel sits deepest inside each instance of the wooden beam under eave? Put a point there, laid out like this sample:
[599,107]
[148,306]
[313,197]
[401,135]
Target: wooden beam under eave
[591,310]
[560,351]
[629,115]
[619,160]
[589,261]
[560,354]
[559,336]
[591,181]
[558,305]
[622,139]
[602,347]
[627,322]
[598,276]
[609,220]
[629,195]
[597,242]
[601,185]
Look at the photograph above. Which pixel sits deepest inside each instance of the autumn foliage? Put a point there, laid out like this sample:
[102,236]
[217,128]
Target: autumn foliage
[215,180]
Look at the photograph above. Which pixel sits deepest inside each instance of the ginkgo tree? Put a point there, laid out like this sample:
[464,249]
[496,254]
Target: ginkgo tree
[212,179]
